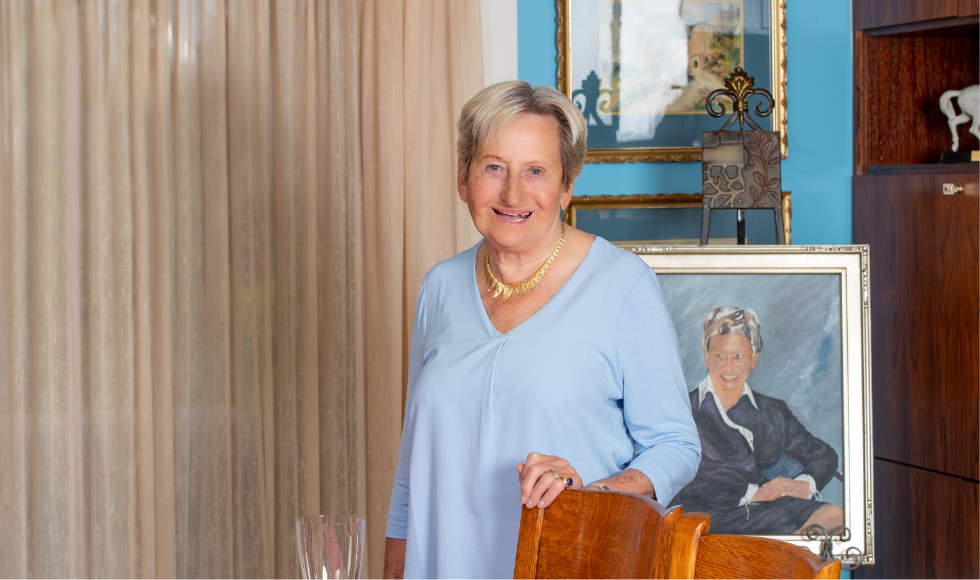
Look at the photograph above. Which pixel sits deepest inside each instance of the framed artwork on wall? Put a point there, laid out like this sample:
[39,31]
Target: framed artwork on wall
[668,218]
[775,345]
[640,70]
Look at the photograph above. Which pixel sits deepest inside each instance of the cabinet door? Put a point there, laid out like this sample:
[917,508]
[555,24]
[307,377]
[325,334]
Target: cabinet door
[925,332]
[875,13]
[969,7]
[925,525]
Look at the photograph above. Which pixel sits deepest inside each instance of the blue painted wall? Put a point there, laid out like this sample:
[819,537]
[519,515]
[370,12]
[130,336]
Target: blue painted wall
[819,168]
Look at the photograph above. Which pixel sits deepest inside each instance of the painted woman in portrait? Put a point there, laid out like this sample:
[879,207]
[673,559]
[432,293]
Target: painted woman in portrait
[761,469]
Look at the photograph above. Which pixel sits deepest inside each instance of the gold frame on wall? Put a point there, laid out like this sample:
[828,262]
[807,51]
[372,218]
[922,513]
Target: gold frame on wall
[778,64]
[851,264]
[665,200]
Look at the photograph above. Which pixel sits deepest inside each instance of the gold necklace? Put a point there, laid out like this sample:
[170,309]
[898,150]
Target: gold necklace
[498,287]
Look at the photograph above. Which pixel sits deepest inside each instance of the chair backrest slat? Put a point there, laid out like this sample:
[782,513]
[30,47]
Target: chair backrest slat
[596,534]
[698,554]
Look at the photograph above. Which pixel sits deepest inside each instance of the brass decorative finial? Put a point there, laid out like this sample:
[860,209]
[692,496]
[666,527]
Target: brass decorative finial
[739,86]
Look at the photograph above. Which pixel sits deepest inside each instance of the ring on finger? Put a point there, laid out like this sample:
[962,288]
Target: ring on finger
[567,481]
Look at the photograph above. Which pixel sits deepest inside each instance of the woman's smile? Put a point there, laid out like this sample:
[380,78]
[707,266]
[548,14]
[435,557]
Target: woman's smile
[513,217]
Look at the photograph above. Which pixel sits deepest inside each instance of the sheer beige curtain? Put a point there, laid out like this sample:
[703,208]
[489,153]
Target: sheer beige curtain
[181,284]
[422,60]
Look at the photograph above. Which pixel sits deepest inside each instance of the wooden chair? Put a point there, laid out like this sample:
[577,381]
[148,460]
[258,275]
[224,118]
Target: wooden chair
[596,534]
[697,554]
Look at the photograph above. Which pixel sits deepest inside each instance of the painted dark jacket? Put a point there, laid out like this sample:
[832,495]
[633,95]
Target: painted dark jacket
[729,465]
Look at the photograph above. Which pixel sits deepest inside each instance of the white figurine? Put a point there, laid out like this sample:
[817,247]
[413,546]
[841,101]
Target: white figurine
[969,101]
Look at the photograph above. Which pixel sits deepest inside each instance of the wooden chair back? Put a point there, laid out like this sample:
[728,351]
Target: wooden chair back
[596,534]
[697,554]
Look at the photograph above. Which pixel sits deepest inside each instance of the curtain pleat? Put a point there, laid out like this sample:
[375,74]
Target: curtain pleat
[422,60]
[181,284]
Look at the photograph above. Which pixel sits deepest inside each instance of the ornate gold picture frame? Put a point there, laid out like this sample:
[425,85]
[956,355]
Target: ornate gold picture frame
[611,52]
[812,369]
[583,212]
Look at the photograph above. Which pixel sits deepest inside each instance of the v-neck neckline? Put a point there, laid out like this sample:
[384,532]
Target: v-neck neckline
[475,291]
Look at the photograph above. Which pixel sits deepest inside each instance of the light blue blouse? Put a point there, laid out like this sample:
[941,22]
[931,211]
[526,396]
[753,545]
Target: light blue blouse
[594,377]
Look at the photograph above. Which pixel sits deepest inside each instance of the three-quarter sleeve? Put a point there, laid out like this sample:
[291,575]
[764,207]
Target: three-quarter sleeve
[397,527]
[656,404]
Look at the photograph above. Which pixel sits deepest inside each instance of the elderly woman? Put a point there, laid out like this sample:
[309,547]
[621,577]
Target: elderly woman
[761,469]
[542,359]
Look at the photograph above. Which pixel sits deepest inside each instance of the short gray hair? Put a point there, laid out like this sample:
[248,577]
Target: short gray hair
[733,320]
[491,109]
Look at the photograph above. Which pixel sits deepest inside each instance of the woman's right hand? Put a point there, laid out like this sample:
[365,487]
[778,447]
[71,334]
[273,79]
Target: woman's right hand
[539,484]
[782,487]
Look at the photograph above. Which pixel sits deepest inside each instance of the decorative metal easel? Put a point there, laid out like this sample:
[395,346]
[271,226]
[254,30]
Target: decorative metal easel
[818,532]
[740,169]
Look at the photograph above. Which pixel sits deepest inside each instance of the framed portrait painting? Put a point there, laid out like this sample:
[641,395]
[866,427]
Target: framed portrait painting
[774,343]
[641,70]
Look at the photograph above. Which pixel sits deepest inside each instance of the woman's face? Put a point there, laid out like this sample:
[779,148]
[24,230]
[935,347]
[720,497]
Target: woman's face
[729,361]
[514,187]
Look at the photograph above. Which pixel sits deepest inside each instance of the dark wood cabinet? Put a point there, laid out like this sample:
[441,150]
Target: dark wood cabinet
[925,283]
[924,317]
[913,538]
[899,79]
[888,13]
[880,13]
